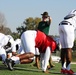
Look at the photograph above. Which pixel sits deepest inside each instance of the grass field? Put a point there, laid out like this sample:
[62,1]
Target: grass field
[29,69]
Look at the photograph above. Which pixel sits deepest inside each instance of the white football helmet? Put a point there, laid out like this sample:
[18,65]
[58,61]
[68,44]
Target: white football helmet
[11,39]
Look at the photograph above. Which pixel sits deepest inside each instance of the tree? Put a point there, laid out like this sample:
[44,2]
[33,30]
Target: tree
[29,24]
[15,35]
[3,23]
[7,30]
[2,19]
[32,23]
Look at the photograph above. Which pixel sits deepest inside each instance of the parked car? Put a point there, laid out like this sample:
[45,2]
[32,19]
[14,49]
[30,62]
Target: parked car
[56,58]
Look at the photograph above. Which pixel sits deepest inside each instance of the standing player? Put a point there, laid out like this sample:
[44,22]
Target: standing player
[37,58]
[32,39]
[66,31]
[44,26]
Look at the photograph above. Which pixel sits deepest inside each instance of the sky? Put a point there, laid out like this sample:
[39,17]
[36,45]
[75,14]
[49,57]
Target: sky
[16,11]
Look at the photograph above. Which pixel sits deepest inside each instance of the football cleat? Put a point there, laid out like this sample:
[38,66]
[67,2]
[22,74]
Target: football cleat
[70,72]
[63,71]
[4,62]
[13,63]
[9,63]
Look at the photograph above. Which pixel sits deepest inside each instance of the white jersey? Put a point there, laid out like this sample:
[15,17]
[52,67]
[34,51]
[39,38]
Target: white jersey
[3,39]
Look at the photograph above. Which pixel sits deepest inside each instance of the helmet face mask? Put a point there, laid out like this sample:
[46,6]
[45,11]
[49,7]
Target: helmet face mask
[7,46]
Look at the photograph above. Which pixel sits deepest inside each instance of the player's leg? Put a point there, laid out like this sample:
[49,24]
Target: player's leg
[26,58]
[37,58]
[37,61]
[23,58]
[3,54]
[68,57]
[63,50]
[69,40]
[46,58]
[42,60]
[63,57]
[51,62]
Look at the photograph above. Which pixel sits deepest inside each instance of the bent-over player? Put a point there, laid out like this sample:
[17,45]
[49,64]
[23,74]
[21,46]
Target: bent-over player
[32,39]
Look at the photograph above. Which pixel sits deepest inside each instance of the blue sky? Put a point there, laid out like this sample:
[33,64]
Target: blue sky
[16,11]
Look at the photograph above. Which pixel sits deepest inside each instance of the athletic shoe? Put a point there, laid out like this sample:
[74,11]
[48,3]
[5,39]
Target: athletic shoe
[13,63]
[70,72]
[63,71]
[4,62]
[9,63]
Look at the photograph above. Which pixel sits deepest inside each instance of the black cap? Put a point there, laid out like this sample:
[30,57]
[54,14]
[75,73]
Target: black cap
[45,13]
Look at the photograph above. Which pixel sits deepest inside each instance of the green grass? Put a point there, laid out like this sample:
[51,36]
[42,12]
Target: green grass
[29,69]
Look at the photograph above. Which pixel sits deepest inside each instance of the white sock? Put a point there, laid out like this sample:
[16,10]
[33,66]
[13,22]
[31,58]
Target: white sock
[64,66]
[16,59]
[68,67]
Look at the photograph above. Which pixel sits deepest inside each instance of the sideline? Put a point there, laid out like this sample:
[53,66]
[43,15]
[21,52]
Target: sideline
[73,62]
